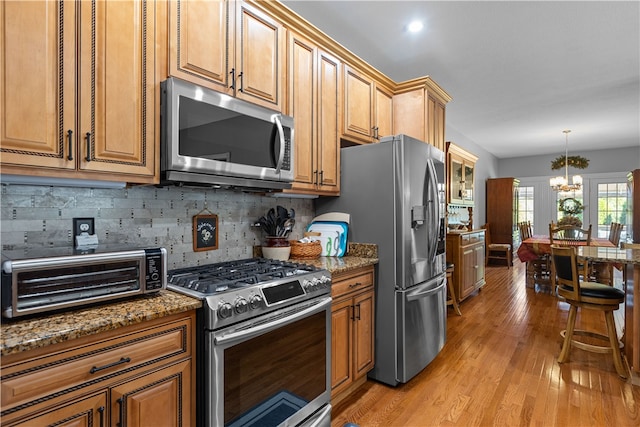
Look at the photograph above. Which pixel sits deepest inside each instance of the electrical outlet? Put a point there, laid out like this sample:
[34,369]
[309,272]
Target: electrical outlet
[83,225]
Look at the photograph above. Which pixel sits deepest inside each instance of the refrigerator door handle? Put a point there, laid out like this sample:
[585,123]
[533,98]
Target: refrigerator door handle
[417,294]
[434,209]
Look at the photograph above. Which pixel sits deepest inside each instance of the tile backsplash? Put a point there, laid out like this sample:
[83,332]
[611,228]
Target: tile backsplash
[146,216]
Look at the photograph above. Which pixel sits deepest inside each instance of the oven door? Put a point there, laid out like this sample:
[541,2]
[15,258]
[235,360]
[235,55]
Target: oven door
[272,370]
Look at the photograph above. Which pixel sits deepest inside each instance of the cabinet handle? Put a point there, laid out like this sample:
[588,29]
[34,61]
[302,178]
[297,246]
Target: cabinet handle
[110,365]
[101,412]
[241,77]
[121,412]
[321,177]
[358,317]
[233,80]
[375,132]
[70,137]
[355,285]
[353,312]
[315,177]
[88,136]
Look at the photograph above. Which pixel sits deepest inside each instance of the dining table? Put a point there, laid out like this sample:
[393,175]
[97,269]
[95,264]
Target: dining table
[629,259]
[540,244]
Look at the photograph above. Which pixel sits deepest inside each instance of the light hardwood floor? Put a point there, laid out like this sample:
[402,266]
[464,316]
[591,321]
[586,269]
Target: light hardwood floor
[498,367]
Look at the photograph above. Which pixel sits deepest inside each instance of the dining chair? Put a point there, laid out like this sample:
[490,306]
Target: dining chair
[615,230]
[602,272]
[499,251]
[537,270]
[569,235]
[588,296]
[525,230]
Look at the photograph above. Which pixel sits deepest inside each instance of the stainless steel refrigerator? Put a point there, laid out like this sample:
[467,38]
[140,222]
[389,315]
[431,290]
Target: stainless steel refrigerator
[395,193]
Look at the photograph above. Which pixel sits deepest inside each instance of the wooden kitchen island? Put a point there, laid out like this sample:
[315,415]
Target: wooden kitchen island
[630,260]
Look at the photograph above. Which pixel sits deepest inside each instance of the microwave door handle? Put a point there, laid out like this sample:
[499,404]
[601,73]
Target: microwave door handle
[282,145]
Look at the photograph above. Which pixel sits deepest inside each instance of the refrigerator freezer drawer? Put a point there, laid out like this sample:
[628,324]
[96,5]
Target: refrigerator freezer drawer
[422,326]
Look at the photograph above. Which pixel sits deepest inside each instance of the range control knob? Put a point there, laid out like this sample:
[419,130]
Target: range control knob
[306,285]
[241,305]
[224,310]
[255,302]
[325,279]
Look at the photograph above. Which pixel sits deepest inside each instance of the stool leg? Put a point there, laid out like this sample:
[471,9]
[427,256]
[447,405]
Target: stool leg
[452,301]
[568,336]
[615,346]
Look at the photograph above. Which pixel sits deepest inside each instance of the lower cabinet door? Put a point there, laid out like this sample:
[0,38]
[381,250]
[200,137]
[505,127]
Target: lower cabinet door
[364,334]
[158,399]
[341,366]
[88,412]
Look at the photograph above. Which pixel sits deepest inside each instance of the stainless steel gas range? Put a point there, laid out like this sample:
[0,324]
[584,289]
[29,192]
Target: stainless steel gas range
[264,342]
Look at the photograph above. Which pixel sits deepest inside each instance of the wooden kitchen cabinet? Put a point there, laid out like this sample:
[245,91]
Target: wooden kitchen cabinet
[229,46]
[314,82]
[136,375]
[460,175]
[383,113]
[466,250]
[364,120]
[352,331]
[78,80]
[502,211]
[419,111]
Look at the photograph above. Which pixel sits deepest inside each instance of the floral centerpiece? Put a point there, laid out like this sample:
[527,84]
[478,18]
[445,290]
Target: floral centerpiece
[571,208]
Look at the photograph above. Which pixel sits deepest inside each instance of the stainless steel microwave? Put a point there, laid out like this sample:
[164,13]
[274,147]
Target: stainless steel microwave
[210,138]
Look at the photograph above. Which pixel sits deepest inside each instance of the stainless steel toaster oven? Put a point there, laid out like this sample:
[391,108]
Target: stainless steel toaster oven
[64,277]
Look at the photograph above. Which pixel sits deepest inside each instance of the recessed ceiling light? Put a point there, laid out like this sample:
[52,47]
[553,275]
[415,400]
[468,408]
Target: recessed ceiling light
[414,26]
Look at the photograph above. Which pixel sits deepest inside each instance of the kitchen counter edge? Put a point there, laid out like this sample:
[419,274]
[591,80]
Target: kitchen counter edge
[26,334]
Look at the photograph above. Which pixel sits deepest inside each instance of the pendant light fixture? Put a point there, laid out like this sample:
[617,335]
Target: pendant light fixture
[561,183]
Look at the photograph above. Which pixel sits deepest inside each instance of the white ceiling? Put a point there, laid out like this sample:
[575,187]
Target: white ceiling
[519,72]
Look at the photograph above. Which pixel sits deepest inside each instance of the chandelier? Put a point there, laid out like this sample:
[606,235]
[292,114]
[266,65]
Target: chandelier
[561,183]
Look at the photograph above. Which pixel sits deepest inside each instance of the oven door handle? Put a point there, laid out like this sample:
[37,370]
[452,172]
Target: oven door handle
[267,327]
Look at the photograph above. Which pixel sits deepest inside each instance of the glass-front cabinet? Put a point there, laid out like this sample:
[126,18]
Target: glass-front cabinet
[461,176]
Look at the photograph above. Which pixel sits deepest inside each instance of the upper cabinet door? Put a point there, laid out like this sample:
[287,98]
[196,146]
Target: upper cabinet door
[328,123]
[117,96]
[383,113]
[302,106]
[38,90]
[409,113]
[260,57]
[358,105]
[199,40]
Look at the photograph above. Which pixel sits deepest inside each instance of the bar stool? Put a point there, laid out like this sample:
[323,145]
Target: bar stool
[586,296]
[452,300]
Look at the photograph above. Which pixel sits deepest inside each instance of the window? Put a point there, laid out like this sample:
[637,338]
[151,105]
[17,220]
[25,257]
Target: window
[612,207]
[525,204]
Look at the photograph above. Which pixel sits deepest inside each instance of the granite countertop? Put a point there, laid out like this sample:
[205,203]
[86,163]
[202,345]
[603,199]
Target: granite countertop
[17,335]
[607,254]
[358,255]
[34,332]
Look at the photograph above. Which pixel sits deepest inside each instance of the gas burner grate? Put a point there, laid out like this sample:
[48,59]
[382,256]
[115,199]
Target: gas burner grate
[220,277]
